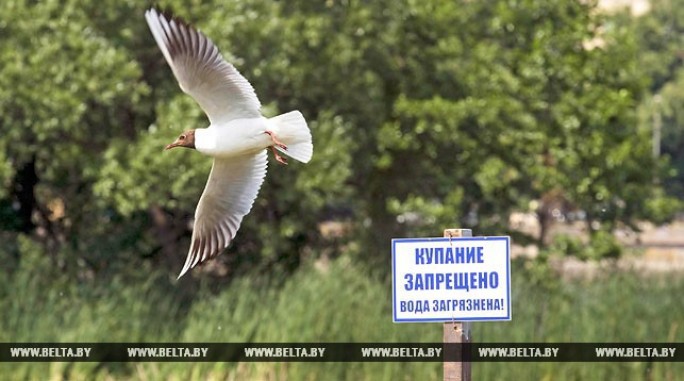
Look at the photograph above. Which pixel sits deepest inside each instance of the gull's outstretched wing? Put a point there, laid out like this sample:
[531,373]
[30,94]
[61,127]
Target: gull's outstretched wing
[232,186]
[222,92]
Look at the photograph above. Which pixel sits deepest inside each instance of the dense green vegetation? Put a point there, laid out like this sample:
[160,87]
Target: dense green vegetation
[338,302]
[425,115]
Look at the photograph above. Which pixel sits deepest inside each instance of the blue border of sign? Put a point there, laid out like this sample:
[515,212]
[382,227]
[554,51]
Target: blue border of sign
[438,239]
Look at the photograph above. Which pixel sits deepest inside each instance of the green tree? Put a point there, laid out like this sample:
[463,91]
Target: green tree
[495,104]
[65,91]
[660,34]
[425,114]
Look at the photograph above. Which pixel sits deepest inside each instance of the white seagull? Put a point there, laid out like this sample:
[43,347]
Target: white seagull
[237,137]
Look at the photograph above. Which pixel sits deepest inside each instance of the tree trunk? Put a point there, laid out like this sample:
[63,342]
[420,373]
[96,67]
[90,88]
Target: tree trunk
[25,181]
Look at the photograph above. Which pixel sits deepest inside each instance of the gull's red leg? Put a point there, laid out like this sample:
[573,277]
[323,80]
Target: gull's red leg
[281,159]
[275,140]
[278,143]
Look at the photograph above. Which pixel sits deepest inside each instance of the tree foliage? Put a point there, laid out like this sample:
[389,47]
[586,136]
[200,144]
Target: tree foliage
[660,35]
[425,115]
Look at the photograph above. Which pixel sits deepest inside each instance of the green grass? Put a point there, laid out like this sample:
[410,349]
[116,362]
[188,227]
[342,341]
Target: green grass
[338,304]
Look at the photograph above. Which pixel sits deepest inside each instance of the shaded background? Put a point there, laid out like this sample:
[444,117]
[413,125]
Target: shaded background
[558,123]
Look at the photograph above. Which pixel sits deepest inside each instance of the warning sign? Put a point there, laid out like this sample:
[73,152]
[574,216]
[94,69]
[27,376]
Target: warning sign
[451,279]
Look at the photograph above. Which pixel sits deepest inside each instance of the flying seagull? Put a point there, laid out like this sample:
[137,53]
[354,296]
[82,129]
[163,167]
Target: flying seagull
[237,137]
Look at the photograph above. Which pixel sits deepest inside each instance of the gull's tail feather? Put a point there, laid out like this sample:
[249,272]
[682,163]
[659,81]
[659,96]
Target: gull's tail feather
[292,130]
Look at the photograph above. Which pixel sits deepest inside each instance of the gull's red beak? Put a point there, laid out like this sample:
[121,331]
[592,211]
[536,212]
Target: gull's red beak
[174,144]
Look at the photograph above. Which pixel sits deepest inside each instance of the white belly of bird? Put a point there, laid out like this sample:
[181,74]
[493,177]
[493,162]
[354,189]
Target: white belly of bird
[235,138]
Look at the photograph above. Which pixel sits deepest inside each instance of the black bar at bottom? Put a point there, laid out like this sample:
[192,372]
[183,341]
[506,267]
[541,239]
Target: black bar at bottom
[341,352]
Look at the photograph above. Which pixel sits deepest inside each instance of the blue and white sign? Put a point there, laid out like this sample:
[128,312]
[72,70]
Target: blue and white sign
[451,279]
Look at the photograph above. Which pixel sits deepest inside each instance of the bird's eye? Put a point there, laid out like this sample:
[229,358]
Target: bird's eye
[182,137]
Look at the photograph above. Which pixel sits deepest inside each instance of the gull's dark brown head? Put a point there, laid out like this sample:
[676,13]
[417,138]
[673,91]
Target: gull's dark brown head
[186,139]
